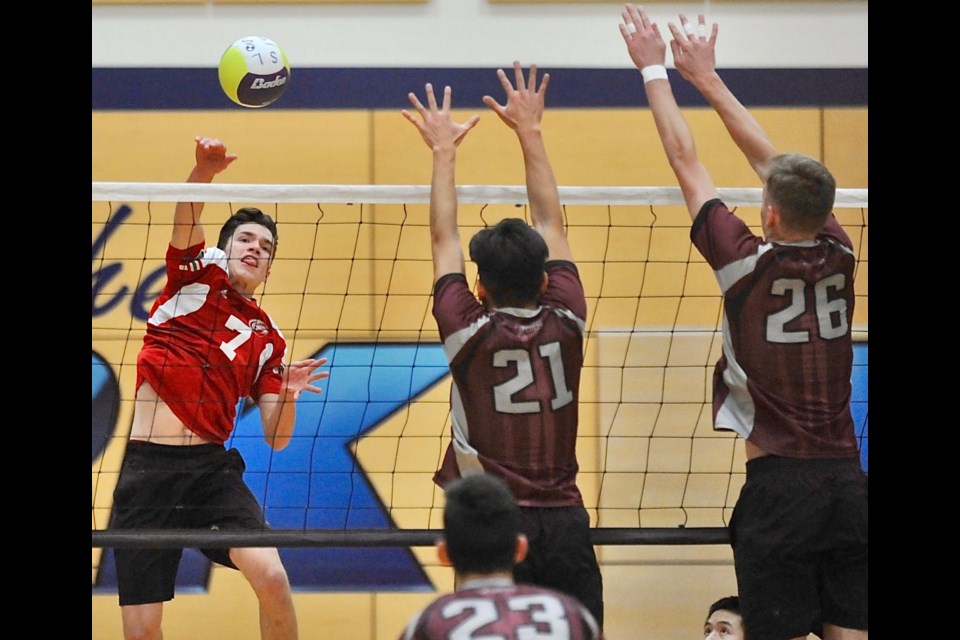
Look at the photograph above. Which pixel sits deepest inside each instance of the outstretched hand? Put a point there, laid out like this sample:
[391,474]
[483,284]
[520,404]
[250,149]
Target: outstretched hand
[299,376]
[642,37]
[524,107]
[212,156]
[694,54]
[436,125]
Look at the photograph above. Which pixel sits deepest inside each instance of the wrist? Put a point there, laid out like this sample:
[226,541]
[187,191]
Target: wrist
[445,150]
[653,72]
[200,175]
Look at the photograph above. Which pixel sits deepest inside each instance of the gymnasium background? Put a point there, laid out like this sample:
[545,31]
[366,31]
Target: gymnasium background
[802,67]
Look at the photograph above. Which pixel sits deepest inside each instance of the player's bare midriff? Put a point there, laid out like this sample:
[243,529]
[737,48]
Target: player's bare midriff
[153,421]
[753,451]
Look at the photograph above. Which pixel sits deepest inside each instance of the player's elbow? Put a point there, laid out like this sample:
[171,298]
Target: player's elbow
[682,158]
[277,442]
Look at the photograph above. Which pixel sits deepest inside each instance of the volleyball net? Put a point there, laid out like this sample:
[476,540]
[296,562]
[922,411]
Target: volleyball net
[352,281]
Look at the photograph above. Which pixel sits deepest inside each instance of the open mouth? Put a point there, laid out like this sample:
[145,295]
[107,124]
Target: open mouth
[250,261]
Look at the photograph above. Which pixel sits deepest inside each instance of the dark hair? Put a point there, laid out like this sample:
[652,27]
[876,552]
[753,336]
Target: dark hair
[803,189]
[481,522]
[729,603]
[243,216]
[511,258]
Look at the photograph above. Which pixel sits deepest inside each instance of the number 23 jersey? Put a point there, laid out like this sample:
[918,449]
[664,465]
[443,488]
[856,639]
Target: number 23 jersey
[497,608]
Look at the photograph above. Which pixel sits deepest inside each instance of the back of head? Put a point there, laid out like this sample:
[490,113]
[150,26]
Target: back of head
[510,257]
[244,216]
[481,522]
[803,189]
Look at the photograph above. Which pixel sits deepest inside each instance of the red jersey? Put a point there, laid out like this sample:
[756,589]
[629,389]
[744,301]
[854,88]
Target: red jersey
[207,346]
[498,608]
[784,380]
[516,380]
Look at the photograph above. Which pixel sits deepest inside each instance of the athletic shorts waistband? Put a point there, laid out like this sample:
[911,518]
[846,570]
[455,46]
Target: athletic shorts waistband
[772,464]
[138,447]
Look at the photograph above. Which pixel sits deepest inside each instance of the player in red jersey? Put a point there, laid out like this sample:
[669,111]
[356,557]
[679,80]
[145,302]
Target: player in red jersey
[483,539]
[515,349]
[208,345]
[799,528]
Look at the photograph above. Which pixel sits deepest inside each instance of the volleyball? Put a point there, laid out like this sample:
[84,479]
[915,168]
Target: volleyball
[254,71]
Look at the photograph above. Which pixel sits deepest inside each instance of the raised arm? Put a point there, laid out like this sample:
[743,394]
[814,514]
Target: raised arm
[278,411]
[442,135]
[694,57]
[523,113]
[211,159]
[648,52]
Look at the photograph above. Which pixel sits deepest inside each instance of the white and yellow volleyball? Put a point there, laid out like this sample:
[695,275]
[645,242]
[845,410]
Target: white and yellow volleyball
[254,71]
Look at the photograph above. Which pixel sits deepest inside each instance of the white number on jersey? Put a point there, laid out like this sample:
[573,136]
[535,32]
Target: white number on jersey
[831,314]
[503,392]
[543,609]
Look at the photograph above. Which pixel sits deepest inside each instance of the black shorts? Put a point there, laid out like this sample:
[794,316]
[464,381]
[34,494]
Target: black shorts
[799,538]
[561,555]
[176,487]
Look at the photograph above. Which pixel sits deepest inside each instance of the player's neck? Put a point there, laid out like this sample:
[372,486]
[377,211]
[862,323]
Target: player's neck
[470,580]
[493,304]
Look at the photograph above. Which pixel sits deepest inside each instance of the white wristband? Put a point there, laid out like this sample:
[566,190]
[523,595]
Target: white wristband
[653,72]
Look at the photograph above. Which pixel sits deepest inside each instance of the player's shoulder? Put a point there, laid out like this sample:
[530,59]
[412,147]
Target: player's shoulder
[455,279]
[532,589]
[560,263]
[197,257]
[213,255]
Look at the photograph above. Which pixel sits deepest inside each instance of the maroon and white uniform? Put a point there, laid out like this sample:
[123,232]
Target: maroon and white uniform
[515,391]
[207,346]
[498,608]
[783,381]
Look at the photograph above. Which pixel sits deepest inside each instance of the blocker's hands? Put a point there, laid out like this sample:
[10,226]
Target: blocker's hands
[524,108]
[694,54]
[436,125]
[642,37]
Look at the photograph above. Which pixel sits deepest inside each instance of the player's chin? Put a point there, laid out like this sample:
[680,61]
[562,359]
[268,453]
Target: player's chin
[247,278]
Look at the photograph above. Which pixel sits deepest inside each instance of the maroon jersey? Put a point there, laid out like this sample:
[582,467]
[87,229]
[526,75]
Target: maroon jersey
[516,380]
[784,380]
[498,608]
[207,346]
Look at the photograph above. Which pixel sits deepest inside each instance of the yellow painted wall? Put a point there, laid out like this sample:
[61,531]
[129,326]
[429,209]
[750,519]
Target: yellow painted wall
[656,592]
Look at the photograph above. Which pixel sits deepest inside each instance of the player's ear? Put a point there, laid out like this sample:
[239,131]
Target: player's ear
[442,553]
[523,545]
[481,291]
[543,285]
[773,213]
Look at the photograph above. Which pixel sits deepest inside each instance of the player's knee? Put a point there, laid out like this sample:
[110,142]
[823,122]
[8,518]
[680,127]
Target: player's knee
[142,622]
[142,633]
[271,583]
[141,630]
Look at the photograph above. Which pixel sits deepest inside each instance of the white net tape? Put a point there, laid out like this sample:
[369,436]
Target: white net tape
[418,194]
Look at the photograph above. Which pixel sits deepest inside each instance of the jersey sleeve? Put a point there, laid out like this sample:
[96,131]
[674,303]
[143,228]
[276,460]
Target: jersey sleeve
[720,236]
[564,288]
[270,379]
[454,305]
[184,265]
[195,263]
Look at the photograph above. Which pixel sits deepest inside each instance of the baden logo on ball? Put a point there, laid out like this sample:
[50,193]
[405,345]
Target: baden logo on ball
[254,71]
